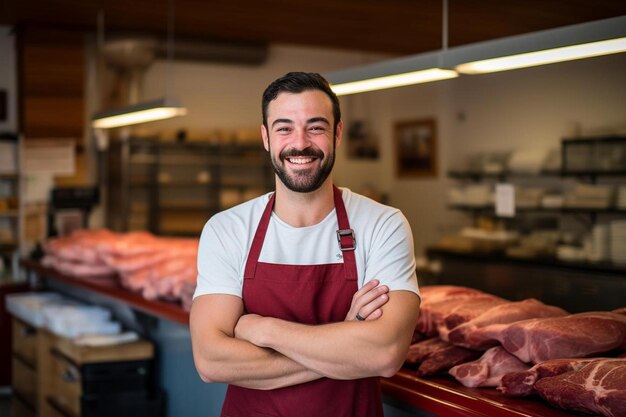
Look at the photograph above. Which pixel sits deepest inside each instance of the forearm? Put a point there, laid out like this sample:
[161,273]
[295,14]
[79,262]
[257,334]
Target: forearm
[339,350]
[233,361]
[220,357]
[345,350]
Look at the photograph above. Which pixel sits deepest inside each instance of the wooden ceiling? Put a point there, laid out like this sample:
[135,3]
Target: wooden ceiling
[387,26]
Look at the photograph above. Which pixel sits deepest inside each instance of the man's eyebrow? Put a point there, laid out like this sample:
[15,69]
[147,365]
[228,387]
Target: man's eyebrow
[318,119]
[275,122]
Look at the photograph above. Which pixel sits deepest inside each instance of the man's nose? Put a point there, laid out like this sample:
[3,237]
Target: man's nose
[300,139]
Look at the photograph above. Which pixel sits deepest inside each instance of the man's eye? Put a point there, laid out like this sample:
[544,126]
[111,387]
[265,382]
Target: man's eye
[283,129]
[317,129]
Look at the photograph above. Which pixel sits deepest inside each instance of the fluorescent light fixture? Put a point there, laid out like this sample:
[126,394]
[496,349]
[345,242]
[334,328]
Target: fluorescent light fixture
[584,40]
[398,72]
[568,43]
[391,81]
[138,113]
[548,56]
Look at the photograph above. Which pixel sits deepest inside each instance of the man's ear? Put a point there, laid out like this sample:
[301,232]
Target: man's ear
[338,133]
[266,138]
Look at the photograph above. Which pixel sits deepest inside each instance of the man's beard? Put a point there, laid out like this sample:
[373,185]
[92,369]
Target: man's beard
[305,180]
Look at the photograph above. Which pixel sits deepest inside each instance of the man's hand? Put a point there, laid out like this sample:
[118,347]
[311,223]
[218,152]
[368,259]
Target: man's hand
[367,301]
[250,328]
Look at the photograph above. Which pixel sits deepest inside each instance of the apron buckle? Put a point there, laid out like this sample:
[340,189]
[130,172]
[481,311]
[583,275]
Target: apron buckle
[346,244]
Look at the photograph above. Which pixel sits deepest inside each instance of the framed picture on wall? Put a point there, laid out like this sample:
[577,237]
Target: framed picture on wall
[362,142]
[416,148]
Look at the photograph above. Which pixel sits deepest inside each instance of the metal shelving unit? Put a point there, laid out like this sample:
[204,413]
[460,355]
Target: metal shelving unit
[172,188]
[10,206]
[583,160]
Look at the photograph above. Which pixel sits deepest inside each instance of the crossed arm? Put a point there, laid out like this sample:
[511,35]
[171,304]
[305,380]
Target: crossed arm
[267,353]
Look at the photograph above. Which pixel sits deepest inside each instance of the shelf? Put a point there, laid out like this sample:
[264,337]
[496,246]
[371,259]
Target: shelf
[477,175]
[571,210]
[620,173]
[445,397]
[188,207]
[172,184]
[203,177]
[110,287]
[9,213]
[605,267]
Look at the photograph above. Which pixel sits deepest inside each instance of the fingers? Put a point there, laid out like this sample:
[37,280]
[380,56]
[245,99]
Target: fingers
[368,300]
[372,310]
[365,289]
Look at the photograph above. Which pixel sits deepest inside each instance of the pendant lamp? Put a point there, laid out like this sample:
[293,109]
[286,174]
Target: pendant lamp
[161,109]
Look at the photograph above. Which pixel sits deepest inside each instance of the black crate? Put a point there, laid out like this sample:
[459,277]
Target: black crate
[124,404]
[113,377]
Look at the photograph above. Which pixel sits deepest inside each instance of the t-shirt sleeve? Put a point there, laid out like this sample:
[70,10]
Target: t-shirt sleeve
[391,258]
[218,268]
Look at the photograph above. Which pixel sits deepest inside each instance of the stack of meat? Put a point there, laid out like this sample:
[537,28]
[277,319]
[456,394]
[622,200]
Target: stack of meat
[523,348]
[156,267]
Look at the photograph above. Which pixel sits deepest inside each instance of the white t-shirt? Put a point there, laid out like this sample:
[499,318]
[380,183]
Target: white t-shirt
[384,245]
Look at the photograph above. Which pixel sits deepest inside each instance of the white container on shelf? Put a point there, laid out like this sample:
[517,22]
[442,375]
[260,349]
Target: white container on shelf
[74,320]
[600,243]
[618,241]
[28,307]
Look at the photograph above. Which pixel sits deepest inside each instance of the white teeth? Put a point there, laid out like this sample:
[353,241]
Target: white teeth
[300,160]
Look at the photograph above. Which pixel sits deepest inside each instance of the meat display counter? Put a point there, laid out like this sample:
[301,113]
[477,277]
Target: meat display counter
[404,392]
[445,397]
[110,286]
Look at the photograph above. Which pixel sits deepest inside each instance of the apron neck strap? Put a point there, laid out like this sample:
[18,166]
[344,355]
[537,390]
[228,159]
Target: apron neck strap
[345,237]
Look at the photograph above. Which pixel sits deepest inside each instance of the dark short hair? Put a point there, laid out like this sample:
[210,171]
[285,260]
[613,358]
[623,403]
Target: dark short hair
[298,82]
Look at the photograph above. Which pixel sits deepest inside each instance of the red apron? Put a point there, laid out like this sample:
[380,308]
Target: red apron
[309,294]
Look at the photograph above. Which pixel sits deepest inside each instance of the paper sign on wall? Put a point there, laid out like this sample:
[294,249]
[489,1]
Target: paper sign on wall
[505,200]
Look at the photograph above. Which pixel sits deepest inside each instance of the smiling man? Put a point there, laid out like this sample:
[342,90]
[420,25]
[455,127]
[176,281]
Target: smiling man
[307,295]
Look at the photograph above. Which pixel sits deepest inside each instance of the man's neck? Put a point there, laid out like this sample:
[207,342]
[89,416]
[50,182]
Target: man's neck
[304,209]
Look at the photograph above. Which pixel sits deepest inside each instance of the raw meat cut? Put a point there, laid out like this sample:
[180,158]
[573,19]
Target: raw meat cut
[430,295]
[432,313]
[573,336]
[443,359]
[154,266]
[466,311]
[598,387]
[619,311]
[521,384]
[130,244]
[471,310]
[186,294]
[489,369]
[77,269]
[79,246]
[470,336]
[434,293]
[419,351]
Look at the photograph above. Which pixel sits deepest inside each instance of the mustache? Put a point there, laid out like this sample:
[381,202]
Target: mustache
[315,153]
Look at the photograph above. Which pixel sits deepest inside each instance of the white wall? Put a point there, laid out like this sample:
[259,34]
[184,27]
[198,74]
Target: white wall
[223,96]
[530,108]
[8,78]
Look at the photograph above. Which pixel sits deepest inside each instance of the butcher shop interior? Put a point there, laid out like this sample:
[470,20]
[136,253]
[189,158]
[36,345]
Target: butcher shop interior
[497,129]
